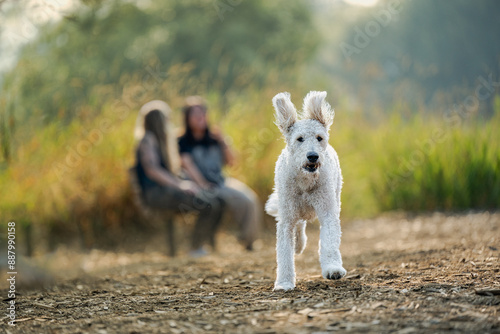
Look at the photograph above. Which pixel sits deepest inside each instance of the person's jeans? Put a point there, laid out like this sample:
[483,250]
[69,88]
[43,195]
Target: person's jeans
[208,208]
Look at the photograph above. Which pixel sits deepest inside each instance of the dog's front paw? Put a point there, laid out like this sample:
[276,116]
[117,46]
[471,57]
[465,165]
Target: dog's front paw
[334,272]
[283,286]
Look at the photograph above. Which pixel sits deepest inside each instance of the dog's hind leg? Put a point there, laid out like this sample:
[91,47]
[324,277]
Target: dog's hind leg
[300,236]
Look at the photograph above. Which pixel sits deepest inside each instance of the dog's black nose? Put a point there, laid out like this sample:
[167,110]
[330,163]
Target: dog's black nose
[312,156]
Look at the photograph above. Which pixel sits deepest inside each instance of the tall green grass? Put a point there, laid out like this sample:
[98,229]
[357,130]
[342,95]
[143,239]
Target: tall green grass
[433,164]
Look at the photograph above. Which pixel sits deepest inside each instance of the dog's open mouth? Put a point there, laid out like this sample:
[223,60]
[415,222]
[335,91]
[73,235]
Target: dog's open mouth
[311,167]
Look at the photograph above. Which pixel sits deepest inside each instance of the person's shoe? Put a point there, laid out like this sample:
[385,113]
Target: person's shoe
[197,253]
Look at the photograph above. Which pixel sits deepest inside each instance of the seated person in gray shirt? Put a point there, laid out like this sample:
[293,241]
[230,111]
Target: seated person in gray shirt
[203,155]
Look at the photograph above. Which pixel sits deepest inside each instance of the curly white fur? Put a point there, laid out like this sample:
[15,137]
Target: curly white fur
[308,182]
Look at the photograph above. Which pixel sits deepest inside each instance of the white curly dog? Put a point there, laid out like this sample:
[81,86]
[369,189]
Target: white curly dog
[308,182]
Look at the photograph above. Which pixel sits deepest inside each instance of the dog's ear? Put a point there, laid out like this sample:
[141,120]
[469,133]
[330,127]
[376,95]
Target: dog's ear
[286,114]
[316,107]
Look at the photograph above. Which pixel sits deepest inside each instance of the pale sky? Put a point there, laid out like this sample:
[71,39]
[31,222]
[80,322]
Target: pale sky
[366,3]
[20,22]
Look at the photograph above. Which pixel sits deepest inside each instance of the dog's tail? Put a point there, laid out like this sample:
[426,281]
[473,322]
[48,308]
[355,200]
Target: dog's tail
[272,205]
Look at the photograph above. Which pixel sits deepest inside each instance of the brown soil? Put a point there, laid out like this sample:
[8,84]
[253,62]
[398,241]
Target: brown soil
[427,274]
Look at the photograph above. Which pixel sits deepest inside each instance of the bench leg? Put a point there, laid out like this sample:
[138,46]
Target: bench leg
[171,236]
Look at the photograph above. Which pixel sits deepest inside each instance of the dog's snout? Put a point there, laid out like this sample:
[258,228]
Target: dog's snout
[312,156]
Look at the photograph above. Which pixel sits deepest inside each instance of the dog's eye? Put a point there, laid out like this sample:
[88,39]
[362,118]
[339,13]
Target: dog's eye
[301,139]
[319,138]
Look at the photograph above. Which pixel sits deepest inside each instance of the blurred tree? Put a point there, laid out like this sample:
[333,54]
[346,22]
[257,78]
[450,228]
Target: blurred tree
[104,45]
[436,45]
[459,40]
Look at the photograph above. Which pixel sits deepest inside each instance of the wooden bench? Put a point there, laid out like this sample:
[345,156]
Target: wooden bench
[151,214]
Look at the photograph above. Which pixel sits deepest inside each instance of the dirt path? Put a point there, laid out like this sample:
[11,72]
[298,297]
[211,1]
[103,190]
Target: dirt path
[422,275]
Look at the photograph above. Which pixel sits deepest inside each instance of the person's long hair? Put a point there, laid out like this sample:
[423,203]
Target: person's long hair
[191,103]
[156,123]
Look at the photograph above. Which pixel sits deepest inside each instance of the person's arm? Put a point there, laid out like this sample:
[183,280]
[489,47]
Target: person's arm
[229,158]
[153,169]
[192,171]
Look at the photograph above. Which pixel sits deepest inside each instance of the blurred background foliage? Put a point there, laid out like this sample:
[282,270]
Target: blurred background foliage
[414,84]
[94,53]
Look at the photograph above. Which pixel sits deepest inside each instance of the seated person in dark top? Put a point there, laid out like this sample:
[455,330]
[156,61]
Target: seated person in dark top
[161,187]
[203,155]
